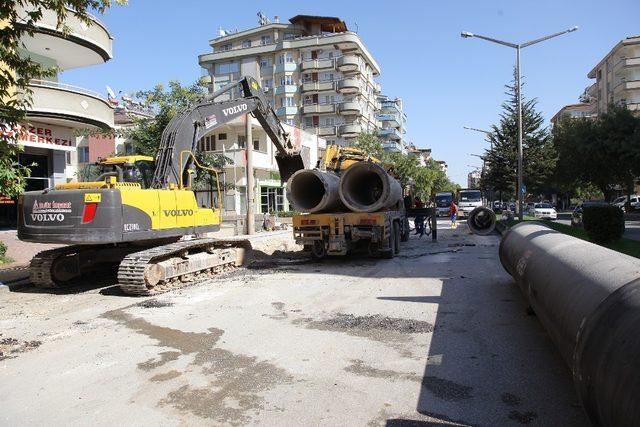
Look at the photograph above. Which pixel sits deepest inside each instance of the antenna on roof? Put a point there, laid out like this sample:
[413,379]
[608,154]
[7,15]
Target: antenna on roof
[262,19]
[222,32]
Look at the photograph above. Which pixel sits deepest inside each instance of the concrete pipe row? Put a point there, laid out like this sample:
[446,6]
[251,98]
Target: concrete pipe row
[363,187]
[588,299]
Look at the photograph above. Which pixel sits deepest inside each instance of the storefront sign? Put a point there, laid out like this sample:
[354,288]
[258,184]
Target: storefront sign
[43,136]
[4,200]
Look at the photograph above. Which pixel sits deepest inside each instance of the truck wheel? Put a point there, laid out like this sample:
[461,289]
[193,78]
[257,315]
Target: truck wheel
[389,252]
[396,237]
[404,236]
[318,250]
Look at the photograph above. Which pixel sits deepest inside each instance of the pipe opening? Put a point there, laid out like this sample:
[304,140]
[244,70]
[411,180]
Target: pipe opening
[364,187]
[482,220]
[307,191]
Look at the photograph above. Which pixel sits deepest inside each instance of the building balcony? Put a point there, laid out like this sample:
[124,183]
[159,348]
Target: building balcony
[392,119]
[389,107]
[286,89]
[348,108]
[627,85]
[350,130]
[392,146]
[622,66]
[317,64]
[287,111]
[348,86]
[287,66]
[321,130]
[318,86]
[377,88]
[82,46]
[390,133]
[348,63]
[319,109]
[69,105]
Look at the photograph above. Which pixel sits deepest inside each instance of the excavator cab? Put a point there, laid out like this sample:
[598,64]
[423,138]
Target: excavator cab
[134,169]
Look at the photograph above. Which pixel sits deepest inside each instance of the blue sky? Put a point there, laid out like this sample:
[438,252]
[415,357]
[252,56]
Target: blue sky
[446,82]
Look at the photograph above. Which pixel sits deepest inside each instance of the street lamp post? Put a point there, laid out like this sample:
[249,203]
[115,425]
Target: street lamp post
[518,47]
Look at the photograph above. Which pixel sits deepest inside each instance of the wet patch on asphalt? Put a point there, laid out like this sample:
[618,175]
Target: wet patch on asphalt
[441,388]
[235,381]
[10,348]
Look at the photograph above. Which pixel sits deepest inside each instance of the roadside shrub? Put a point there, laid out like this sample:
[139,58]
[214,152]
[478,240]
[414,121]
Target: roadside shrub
[288,214]
[603,224]
[3,250]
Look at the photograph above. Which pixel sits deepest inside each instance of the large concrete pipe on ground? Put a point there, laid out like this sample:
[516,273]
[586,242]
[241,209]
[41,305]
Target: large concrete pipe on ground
[481,221]
[313,191]
[367,187]
[588,299]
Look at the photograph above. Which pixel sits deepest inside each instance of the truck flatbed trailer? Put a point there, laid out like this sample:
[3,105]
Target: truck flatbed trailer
[338,234]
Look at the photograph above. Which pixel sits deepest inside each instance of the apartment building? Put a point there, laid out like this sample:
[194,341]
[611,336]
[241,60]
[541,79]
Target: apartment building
[393,121]
[617,77]
[473,179]
[575,111]
[444,167]
[59,109]
[229,140]
[317,74]
[422,154]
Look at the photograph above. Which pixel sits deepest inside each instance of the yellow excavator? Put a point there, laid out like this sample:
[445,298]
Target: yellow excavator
[135,211]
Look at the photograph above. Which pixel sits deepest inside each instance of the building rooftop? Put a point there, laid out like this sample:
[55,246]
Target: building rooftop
[626,41]
[328,24]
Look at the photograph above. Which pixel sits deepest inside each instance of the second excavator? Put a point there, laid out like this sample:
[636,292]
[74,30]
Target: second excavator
[135,221]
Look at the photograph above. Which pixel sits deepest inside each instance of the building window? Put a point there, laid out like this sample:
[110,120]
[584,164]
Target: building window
[329,121]
[225,47]
[265,40]
[287,101]
[246,43]
[266,62]
[289,36]
[83,154]
[290,122]
[329,99]
[242,139]
[227,68]
[256,145]
[308,122]
[67,156]
[285,58]
[207,143]
[328,77]
[222,137]
[271,199]
[286,80]
[267,83]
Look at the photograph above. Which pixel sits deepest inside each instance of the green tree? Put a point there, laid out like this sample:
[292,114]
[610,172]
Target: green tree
[146,133]
[17,20]
[539,157]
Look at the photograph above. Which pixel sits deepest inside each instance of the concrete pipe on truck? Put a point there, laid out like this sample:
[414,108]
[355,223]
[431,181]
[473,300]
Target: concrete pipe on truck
[588,299]
[313,191]
[481,221]
[367,187]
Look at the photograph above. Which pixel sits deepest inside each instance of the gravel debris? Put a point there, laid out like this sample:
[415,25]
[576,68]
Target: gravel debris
[154,303]
[379,322]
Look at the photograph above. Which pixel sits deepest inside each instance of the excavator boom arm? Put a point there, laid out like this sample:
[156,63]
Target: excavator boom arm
[185,130]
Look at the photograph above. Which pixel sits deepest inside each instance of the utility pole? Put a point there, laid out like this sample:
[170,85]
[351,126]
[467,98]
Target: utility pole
[251,225]
[518,47]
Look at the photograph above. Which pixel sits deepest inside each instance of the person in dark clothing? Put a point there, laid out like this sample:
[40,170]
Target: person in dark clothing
[419,221]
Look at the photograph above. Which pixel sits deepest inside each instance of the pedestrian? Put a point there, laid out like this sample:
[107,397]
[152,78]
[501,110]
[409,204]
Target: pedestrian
[419,221]
[453,211]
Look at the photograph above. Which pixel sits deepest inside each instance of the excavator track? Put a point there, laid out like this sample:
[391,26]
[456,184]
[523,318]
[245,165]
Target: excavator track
[167,267]
[41,266]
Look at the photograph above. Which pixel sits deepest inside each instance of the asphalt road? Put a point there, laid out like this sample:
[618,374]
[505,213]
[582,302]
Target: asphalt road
[438,335]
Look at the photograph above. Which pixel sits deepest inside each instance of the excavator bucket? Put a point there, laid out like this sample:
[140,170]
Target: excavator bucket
[288,165]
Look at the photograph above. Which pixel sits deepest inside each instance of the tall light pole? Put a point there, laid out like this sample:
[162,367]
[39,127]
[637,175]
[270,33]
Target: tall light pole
[518,47]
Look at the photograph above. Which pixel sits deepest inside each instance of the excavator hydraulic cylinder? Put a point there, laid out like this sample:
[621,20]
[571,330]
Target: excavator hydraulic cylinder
[367,187]
[588,299]
[313,191]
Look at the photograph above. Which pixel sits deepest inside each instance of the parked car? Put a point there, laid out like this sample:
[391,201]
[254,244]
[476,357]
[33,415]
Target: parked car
[576,215]
[543,211]
[621,202]
[528,208]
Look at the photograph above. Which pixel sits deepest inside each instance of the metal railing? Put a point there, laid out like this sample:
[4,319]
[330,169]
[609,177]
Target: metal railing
[67,87]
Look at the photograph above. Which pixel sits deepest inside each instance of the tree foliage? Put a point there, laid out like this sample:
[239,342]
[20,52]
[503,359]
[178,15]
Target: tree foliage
[602,152]
[501,160]
[17,20]
[424,181]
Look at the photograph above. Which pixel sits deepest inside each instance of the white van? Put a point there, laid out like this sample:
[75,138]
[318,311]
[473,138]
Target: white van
[468,200]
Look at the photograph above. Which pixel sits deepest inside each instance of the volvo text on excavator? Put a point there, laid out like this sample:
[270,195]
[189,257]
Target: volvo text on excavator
[134,220]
